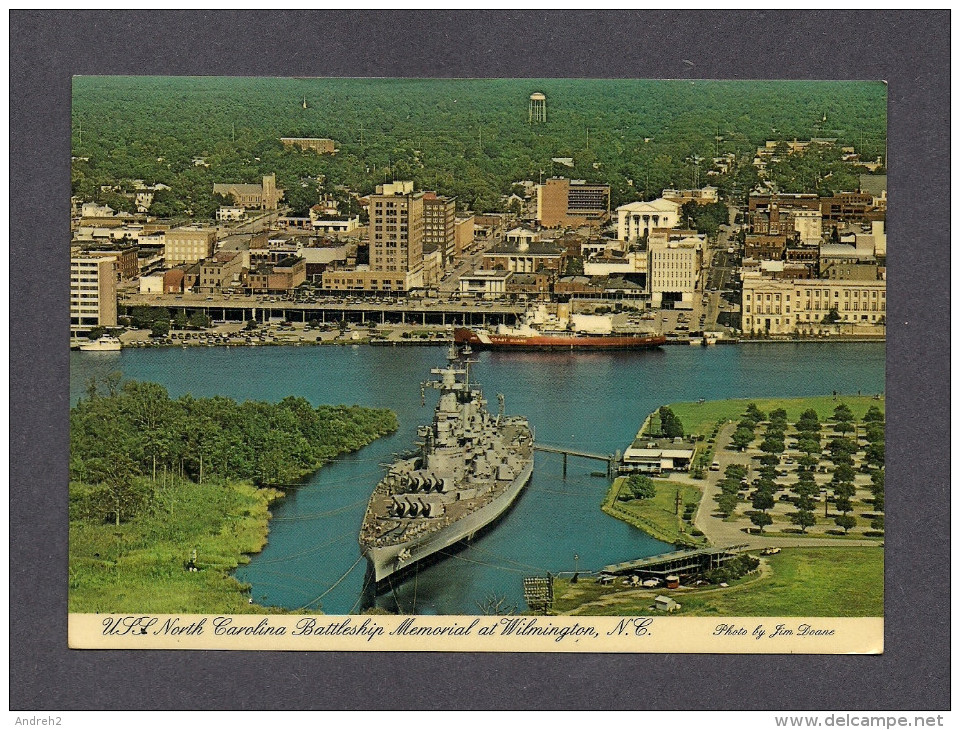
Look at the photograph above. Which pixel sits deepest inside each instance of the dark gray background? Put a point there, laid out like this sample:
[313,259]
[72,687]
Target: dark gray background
[908,49]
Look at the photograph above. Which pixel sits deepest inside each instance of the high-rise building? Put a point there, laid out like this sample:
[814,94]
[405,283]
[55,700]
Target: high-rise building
[538,108]
[93,292]
[396,232]
[439,216]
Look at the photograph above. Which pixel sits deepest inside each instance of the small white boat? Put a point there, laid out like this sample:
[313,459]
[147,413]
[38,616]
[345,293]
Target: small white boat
[104,344]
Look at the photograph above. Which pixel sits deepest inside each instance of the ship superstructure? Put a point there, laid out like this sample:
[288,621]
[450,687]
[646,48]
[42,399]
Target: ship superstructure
[468,470]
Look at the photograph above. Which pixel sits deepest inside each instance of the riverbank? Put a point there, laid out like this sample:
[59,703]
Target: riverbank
[657,516]
[144,564]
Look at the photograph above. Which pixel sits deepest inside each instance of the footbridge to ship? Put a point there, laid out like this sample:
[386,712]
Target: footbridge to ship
[611,460]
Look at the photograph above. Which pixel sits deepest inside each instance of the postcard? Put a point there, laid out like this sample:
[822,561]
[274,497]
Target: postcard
[507,365]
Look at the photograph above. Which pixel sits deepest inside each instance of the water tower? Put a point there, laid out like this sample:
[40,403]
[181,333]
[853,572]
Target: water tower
[538,108]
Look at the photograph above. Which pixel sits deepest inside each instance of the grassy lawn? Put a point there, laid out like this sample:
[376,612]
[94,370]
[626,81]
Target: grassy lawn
[656,516]
[813,581]
[700,418]
[140,566]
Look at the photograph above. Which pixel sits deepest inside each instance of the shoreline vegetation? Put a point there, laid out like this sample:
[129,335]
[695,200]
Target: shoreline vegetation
[168,497]
[656,516]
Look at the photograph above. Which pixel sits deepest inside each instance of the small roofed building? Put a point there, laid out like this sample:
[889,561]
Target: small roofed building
[173,281]
[222,270]
[151,284]
[231,213]
[655,456]
[321,258]
[765,247]
[283,276]
[485,284]
[665,603]
[576,285]
[530,286]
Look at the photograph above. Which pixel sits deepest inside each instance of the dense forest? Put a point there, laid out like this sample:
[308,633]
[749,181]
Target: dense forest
[468,138]
[128,440]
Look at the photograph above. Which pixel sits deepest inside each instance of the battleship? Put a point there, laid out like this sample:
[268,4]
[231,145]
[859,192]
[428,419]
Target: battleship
[468,470]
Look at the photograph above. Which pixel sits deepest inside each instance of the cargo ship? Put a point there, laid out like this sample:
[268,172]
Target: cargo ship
[469,468]
[539,331]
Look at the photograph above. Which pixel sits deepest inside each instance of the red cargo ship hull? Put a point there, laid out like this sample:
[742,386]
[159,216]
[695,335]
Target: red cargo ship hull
[489,341]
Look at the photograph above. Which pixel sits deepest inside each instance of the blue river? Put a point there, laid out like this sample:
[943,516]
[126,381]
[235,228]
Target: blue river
[592,401]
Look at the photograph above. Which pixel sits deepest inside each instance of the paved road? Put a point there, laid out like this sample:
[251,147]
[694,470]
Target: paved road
[722,533]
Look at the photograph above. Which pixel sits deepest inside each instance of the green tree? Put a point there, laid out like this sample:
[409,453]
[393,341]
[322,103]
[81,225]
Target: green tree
[96,333]
[874,432]
[199,319]
[877,523]
[845,521]
[741,438]
[772,445]
[875,453]
[843,427]
[180,320]
[843,504]
[761,520]
[803,519]
[842,413]
[763,501]
[160,328]
[727,503]
[754,413]
[670,425]
[735,471]
[121,496]
[808,421]
[873,415]
[778,415]
[641,486]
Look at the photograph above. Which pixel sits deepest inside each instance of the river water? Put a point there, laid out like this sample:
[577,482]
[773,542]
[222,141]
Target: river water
[593,401]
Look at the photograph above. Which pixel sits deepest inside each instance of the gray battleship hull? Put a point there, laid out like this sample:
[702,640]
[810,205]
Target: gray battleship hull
[386,561]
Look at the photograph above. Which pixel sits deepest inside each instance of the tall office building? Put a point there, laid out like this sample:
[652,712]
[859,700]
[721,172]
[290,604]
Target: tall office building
[439,215]
[396,232]
[93,292]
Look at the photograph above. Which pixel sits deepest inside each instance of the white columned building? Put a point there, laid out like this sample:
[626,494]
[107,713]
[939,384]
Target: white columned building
[636,220]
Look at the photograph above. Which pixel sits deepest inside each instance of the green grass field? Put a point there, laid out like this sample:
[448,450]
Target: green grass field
[140,566]
[814,581]
[700,418]
[656,516]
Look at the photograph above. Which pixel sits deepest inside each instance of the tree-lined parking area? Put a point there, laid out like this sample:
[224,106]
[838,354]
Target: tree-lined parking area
[821,474]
